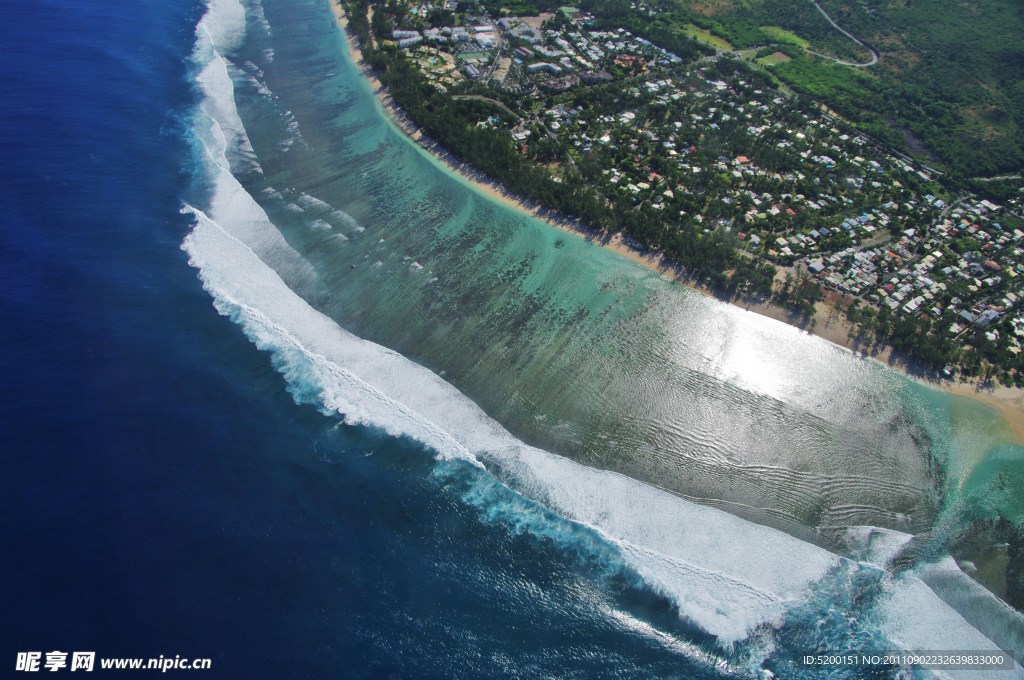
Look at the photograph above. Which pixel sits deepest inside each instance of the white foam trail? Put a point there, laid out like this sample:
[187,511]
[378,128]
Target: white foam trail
[294,132]
[219,105]
[343,218]
[876,546]
[727,575]
[223,25]
[218,129]
[261,18]
[670,642]
[312,202]
[991,616]
[237,277]
[913,617]
[254,70]
[259,86]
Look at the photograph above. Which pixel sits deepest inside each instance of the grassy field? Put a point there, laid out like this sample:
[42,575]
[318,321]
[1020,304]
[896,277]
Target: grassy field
[707,36]
[781,35]
[774,59]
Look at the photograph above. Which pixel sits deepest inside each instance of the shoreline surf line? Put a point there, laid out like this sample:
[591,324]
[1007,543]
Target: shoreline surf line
[827,323]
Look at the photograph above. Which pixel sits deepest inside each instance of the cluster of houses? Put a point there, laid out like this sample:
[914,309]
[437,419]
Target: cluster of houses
[587,54]
[437,49]
[553,59]
[713,151]
[965,268]
[777,178]
[865,222]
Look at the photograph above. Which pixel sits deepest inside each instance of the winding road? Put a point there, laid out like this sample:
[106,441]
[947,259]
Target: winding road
[874,54]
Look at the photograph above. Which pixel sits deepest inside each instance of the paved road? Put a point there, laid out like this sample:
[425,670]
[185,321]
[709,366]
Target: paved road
[874,54]
[1000,178]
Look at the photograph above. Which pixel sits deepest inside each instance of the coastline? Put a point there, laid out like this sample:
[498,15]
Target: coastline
[826,323]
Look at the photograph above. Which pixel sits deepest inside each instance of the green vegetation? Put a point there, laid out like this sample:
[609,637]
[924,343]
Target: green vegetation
[953,73]
[856,94]
[519,8]
[774,58]
[949,86]
[781,35]
[707,36]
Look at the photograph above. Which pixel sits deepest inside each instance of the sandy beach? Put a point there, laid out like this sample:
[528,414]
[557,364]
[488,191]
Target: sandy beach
[827,322]
[1008,402]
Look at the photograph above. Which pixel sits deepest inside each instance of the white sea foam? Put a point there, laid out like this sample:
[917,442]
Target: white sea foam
[341,218]
[912,616]
[874,545]
[219,105]
[261,18]
[222,26]
[254,70]
[726,575]
[218,129]
[246,289]
[259,86]
[670,642]
[294,133]
[313,203]
[991,616]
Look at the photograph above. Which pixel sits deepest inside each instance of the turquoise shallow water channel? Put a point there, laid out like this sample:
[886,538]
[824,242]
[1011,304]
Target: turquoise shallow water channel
[572,348]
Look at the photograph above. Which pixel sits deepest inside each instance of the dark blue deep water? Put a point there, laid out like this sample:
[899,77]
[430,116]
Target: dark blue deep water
[160,491]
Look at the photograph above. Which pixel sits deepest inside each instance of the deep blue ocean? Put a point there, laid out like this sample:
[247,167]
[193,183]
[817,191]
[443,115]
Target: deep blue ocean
[248,483]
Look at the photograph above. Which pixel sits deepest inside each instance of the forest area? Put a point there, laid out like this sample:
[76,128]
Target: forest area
[949,85]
